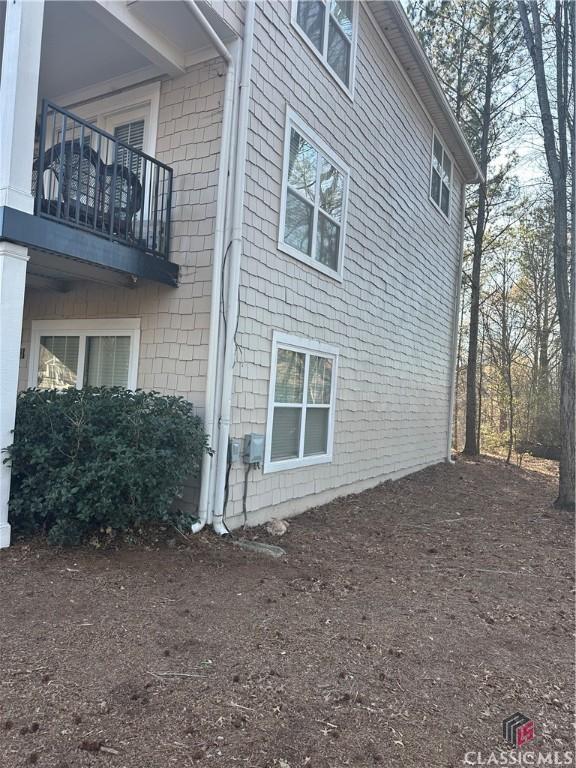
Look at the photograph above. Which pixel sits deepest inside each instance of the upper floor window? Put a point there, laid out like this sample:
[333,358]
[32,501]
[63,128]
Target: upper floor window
[329,27]
[314,196]
[441,177]
[132,134]
[131,117]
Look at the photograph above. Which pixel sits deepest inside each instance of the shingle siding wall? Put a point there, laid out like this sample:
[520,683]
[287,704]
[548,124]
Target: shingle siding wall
[174,321]
[231,12]
[391,317]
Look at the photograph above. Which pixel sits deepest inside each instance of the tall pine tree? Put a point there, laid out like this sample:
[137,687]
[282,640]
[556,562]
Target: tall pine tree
[556,75]
[475,48]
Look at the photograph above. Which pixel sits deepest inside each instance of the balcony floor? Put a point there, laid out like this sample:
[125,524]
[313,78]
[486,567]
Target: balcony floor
[63,250]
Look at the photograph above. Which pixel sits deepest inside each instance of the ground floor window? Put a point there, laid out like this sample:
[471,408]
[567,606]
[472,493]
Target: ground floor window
[79,353]
[301,403]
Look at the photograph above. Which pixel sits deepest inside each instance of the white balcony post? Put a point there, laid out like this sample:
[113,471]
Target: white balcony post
[13,260]
[18,101]
[18,107]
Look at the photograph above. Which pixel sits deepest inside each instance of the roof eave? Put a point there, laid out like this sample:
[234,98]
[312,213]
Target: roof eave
[403,40]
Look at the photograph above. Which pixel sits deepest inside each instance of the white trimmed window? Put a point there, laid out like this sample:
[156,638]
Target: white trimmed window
[301,403]
[441,177]
[314,198]
[329,28]
[79,353]
[131,116]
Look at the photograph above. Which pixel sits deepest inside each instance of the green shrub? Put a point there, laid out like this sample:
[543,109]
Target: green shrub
[88,459]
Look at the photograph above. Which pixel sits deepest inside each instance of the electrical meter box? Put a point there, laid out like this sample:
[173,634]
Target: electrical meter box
[234,450]
[253,449]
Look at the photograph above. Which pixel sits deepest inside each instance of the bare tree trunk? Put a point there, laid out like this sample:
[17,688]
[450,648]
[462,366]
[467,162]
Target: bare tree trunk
[557,159]
[480,383]
[510,411]
[472,426]
[458,366]
[539,419]
[533,401]
[567,489]
[565,498]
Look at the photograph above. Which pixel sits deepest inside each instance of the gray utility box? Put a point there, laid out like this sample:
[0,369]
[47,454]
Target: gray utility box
[253,449]
[234,450]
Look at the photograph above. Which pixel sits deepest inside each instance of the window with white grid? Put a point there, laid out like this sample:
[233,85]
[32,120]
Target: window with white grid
[314,199]
[81,353]
[301,403]
[329,29]
[441,177]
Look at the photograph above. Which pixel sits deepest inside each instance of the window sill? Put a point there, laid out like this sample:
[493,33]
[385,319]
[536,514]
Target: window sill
[445,216]
[316,265]
[308,461]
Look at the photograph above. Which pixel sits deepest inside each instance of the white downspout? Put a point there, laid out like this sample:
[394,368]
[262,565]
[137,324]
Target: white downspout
[232,299]
[222,332]
[217,257]
[455,333]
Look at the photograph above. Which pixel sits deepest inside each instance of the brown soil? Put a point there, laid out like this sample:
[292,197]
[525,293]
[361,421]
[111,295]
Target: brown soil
[403,626]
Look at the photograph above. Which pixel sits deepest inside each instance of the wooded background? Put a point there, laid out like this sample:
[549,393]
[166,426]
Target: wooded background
[509,71]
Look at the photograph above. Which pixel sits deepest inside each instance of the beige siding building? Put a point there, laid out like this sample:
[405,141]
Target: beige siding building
[264,216]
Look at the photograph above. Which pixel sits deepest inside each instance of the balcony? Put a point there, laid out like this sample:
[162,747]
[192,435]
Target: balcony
[98,202]
[87,179]
[101,210]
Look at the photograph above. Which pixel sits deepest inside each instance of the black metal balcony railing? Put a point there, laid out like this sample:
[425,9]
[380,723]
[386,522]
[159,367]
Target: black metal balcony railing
[87,178]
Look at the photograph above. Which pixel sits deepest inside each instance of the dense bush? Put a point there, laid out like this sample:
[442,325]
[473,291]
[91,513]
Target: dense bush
[88,459]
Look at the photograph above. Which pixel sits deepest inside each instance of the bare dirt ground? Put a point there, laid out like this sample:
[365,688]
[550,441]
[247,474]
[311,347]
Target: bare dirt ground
[403,626]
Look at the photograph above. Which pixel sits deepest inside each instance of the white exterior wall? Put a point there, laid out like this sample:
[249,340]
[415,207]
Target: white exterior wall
[391,317]
[174,321]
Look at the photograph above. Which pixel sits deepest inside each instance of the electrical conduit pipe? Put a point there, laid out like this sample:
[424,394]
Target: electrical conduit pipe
[232,300]
[217,258]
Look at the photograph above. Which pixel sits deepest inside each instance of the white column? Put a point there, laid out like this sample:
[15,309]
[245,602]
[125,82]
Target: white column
[18,100]
[13,259]
[18,106]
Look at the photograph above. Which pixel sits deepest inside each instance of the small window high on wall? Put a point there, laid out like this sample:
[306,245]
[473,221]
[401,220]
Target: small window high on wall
[441,177]
[84,353]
